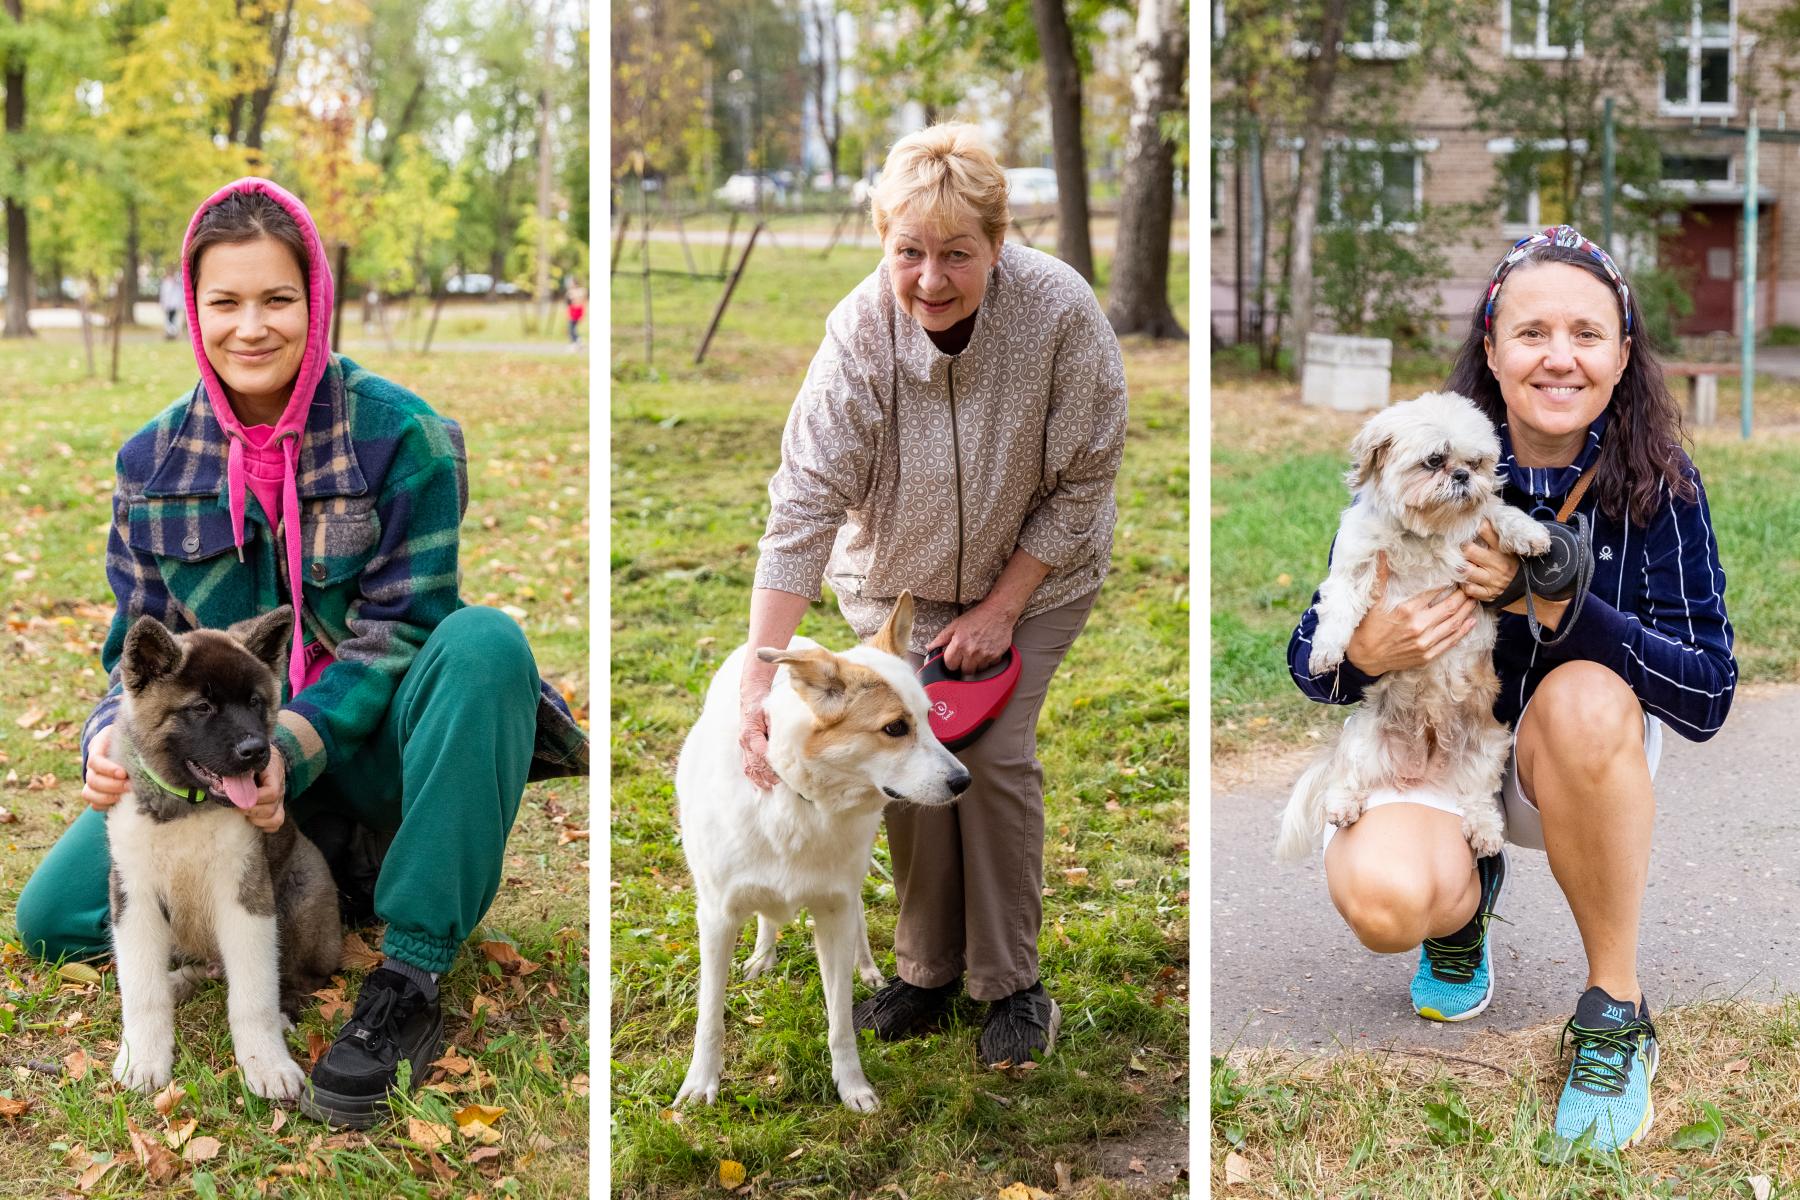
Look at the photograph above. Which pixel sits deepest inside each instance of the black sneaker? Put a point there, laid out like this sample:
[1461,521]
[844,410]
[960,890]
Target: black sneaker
[1021,1027]
[900,1010]
[393,1021]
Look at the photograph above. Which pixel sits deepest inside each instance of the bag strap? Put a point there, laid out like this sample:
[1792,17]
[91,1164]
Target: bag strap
[1576,493]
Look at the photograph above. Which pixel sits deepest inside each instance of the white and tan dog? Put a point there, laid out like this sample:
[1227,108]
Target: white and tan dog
[1424,480]
[848,733]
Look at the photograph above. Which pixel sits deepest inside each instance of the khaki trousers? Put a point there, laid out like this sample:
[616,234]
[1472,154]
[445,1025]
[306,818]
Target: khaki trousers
[970,875]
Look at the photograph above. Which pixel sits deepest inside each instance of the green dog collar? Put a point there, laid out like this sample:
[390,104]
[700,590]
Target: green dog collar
[191,795]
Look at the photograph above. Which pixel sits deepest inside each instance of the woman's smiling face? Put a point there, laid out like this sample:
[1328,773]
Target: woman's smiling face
[1557,351]
[252,302]
[939,275]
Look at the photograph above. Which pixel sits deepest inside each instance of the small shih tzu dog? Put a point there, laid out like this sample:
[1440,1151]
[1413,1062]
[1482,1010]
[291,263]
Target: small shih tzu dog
[1424,479]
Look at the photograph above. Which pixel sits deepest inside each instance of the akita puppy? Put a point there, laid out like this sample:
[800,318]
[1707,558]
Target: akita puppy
[194,885]
[848,734]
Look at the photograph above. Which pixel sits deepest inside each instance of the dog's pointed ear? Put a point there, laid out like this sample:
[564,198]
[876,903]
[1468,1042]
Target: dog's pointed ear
[1369,449]
[151,652]
[896,633]
[267,636]
[817,675]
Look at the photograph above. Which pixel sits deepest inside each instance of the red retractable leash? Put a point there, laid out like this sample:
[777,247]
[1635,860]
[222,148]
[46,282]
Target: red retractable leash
[962,707]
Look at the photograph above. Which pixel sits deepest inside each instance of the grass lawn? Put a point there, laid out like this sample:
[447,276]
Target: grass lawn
[692,453]
[1418,1123]
[516,1040]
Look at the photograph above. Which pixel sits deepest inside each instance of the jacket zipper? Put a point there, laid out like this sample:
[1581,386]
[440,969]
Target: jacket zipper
[956,460]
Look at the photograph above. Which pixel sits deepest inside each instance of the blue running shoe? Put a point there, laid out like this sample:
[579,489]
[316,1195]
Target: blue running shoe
[1608,1090]
[1455,979]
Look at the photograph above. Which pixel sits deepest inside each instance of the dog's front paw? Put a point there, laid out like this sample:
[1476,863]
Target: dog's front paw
[871,974]
[1325,656]
[146,1072]
[1486,833]
[701,1085]
[758,964]
[857,1095]
[273,1075]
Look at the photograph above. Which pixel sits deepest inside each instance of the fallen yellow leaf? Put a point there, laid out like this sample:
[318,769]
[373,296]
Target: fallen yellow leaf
[201,1149]
[166,1100]
[428,1134]
[79,973]
[1237,1169]
[731,1173]
[485,1114]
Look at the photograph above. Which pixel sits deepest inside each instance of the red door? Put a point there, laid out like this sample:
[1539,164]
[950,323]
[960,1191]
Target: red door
[1704,256]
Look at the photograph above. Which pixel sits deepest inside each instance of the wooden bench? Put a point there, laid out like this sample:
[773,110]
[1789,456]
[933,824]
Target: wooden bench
[1702,386]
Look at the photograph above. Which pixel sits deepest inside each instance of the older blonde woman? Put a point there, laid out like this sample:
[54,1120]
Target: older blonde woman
[957,435]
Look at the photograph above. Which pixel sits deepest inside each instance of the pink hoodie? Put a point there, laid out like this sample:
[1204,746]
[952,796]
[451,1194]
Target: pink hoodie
[273,457]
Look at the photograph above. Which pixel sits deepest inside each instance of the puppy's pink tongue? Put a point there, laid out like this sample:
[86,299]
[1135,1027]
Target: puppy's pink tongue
[241,790]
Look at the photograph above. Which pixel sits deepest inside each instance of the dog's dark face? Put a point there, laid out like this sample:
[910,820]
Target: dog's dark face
[202,705]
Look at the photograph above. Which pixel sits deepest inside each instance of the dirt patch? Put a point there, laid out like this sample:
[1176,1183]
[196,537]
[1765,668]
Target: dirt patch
[1152,1161]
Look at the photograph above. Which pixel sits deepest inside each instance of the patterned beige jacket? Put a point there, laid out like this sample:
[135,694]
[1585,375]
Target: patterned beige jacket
[904,467]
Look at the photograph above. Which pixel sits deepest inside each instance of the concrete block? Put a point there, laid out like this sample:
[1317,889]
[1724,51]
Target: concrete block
[1350,374]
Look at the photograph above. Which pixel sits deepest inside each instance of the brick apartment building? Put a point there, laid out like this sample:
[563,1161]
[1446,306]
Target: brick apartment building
[1445,161]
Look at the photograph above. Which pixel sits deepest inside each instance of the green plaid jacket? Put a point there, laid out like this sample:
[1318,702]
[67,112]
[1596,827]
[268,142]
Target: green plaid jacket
[383,483]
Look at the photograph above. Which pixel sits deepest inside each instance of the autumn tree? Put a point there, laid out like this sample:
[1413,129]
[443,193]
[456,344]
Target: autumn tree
[1139,299]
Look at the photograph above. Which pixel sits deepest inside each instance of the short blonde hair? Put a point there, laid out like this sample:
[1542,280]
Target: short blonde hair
[943,175]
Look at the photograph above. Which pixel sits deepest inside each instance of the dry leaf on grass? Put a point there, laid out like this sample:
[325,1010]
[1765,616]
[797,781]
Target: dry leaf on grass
[332,1003]
[277,1121]
[158,1161]
[456,1064]
[177,1135]
[570,833]
[1136,1167]
[428,1134]
[731,1173]
[1742,1064]
[315,1046]
[1023,1191]
[579,1085]
[29,717]
[1759,1186]
[13,1109]
[76,1063]
[1064,1180]
[89,1177]
[166,1100]
[484,1153]
[508,958]
[1237,1169]
[202,1148]
[356,953]
[81,973]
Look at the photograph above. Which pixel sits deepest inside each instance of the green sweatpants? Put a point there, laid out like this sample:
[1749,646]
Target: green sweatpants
[445,772]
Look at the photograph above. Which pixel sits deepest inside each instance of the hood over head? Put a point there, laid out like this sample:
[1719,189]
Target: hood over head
[291,426]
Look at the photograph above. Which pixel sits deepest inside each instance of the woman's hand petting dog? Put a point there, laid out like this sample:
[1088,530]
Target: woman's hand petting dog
[1490,569]
[1413,632]
[977,637]
[753,729]
[270,809]
[107,782]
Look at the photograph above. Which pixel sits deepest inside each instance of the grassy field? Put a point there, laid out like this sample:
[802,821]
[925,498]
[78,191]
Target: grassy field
[1475,1124]
[1277,488]
[516,1039]
[692,453]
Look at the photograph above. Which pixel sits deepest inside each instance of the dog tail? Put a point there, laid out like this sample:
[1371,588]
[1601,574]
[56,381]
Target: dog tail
[1304,821]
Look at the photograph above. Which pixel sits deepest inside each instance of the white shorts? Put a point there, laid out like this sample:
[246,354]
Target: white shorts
[1524,826]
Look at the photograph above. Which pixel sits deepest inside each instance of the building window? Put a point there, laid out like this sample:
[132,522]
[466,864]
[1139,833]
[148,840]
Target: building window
[1374,185]
[1536,197]
[1540,28]
[1381,29]
[1696,168]
[1697,61]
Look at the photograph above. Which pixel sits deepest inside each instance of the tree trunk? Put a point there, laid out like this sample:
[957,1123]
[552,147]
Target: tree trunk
[1321,76]
[1063,76]
[1139,300]
[128,276]
[546,158]
[18,241]
[260,98]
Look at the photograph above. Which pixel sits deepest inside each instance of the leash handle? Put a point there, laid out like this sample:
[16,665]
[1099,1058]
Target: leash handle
[933,669]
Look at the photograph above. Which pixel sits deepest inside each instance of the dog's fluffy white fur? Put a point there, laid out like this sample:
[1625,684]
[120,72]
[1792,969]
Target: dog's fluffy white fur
[1424,479]
[848,733]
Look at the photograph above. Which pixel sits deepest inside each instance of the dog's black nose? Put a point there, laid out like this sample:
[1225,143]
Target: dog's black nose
[1461,475]
[251,749]
[959,783]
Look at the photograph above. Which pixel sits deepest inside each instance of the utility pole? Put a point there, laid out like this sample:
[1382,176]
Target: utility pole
[1749,330]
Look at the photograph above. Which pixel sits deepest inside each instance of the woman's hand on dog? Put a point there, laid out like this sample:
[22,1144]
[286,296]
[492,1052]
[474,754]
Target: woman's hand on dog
[270,809]
[977,637]
[106,782]
[1412,633]
[753,729]
[1490,569]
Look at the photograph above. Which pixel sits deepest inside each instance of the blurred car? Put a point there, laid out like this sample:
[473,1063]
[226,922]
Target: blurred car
[741,191]
[470,284]
[1030,186]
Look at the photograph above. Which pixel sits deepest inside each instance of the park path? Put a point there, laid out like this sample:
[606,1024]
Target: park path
[1720,914]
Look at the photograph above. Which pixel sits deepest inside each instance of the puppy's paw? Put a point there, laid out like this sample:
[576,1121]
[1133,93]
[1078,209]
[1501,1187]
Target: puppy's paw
[758,964]
[146,1072]
[273,1075]
[1343,811]
[1485,832]
[1519,533]
[871,974]
[700,1085]
[857,1095]
[1327,654]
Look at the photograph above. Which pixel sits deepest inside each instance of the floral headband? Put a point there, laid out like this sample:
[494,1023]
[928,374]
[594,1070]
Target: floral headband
[1557,235]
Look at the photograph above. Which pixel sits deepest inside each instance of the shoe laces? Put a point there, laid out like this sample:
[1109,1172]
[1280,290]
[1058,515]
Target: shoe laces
[1603,1057]
[1020,1006]
[1457,964]
[376,1019]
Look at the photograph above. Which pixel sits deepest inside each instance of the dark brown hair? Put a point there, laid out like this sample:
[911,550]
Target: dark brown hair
[1641,451]
[244,217]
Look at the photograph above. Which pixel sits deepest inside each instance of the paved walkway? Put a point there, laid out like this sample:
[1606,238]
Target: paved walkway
[1721,916]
